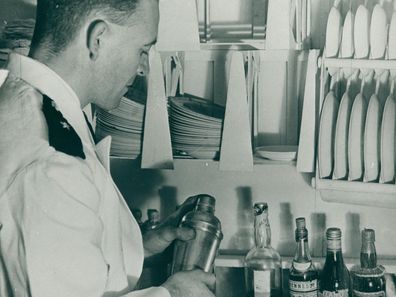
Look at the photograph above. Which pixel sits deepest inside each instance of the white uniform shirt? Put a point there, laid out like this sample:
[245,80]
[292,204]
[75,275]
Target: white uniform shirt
[66,229]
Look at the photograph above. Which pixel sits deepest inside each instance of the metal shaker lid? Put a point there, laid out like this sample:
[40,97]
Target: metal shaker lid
[206,202]
[202,217]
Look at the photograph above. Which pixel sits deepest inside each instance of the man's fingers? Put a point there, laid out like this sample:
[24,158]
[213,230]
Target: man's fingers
[184,233]
[207,278]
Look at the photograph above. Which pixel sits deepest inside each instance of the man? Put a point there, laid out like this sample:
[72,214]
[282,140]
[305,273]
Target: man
[65,228]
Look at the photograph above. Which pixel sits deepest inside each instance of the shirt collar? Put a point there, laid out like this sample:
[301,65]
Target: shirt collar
[51,84]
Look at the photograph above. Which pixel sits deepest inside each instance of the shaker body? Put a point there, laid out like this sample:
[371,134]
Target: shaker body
[200,252]
[197,253]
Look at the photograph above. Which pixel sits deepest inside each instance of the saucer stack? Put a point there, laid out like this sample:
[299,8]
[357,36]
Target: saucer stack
[196,127]
[125,125]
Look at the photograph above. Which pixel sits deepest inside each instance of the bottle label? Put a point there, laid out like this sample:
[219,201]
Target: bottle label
[301,266]
[303,289]
[372,294]
[339,293]
[262,282]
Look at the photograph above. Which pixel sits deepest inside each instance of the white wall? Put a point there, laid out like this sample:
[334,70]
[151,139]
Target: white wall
[288,193]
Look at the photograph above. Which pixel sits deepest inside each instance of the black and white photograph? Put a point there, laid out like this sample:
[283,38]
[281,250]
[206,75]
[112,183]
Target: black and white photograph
[197,148]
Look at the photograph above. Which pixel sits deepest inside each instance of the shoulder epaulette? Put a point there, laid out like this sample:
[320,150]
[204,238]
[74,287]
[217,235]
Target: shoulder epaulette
[61,134]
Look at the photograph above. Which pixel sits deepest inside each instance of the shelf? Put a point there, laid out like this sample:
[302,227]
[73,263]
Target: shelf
[359,193]
[257,161]
[358,63]
[230,44]
[236,261]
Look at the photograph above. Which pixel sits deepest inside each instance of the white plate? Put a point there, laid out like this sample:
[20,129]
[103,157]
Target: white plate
[355,138]
[278,152]
[327,125]
[207,155]
[341,138]
[371,140]
[388,141]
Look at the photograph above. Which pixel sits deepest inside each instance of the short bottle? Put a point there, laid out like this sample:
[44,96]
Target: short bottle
[263,267]
[368,278]
[303,277]
[334,280]
[153,220]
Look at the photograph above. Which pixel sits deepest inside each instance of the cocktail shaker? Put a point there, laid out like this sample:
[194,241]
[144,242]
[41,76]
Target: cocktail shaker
[199,253]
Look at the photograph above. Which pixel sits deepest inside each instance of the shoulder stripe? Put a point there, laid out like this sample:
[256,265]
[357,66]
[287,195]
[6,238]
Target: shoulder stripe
[61,134]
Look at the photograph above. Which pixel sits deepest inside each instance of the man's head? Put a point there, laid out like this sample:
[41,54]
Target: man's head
[104,42]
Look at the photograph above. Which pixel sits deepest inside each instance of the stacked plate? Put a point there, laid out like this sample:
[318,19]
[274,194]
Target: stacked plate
[125,125]
[196,127]
[4,52]
[18,34]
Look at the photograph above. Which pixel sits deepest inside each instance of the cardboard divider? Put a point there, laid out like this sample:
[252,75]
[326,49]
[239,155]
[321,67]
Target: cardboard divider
[157,148]
[236,147]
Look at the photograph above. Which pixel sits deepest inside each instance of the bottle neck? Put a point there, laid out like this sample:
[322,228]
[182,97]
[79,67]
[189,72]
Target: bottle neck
[368,255]
[334,252]
[262,230]
[302,252]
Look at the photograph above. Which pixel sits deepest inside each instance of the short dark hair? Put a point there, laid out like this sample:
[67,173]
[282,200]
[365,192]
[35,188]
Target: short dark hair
[58,21]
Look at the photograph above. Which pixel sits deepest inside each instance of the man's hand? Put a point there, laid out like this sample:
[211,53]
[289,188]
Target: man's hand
[194,283]
[157,240]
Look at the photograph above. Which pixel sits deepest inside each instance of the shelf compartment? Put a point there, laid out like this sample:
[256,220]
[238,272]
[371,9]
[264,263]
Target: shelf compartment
[353,192]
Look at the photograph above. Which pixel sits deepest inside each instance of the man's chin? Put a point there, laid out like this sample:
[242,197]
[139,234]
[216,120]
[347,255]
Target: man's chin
[110,105]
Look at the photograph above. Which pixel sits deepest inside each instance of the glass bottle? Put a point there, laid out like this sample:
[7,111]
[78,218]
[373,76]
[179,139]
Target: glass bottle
[303,277]
[334,280]
[263,269]
[368,278]
[153,220]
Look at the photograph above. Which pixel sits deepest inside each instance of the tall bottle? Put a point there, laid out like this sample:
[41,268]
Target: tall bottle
[368,278]
[263,269]
[334,280]
[303,277]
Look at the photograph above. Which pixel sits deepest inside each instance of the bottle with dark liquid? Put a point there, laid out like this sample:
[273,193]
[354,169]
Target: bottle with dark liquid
[153,220]
[263,269]
[303,277]
[334,280]
[368,278]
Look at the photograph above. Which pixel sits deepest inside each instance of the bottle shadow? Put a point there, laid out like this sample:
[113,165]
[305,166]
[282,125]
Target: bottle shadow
[286,246]
[243,239]
[352,235]
[317,234]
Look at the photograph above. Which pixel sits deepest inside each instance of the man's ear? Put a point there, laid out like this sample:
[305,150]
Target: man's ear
[95,36]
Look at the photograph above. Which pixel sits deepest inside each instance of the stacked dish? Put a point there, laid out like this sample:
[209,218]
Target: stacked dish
[196,127]
[125,125]
[18,34]
[4,52]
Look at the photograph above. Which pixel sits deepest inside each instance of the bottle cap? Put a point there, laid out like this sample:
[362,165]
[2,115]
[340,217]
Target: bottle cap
[301,230]
[206,201]
[368,235]
[333,233]
[300,223]
[153,214]
[259,208]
